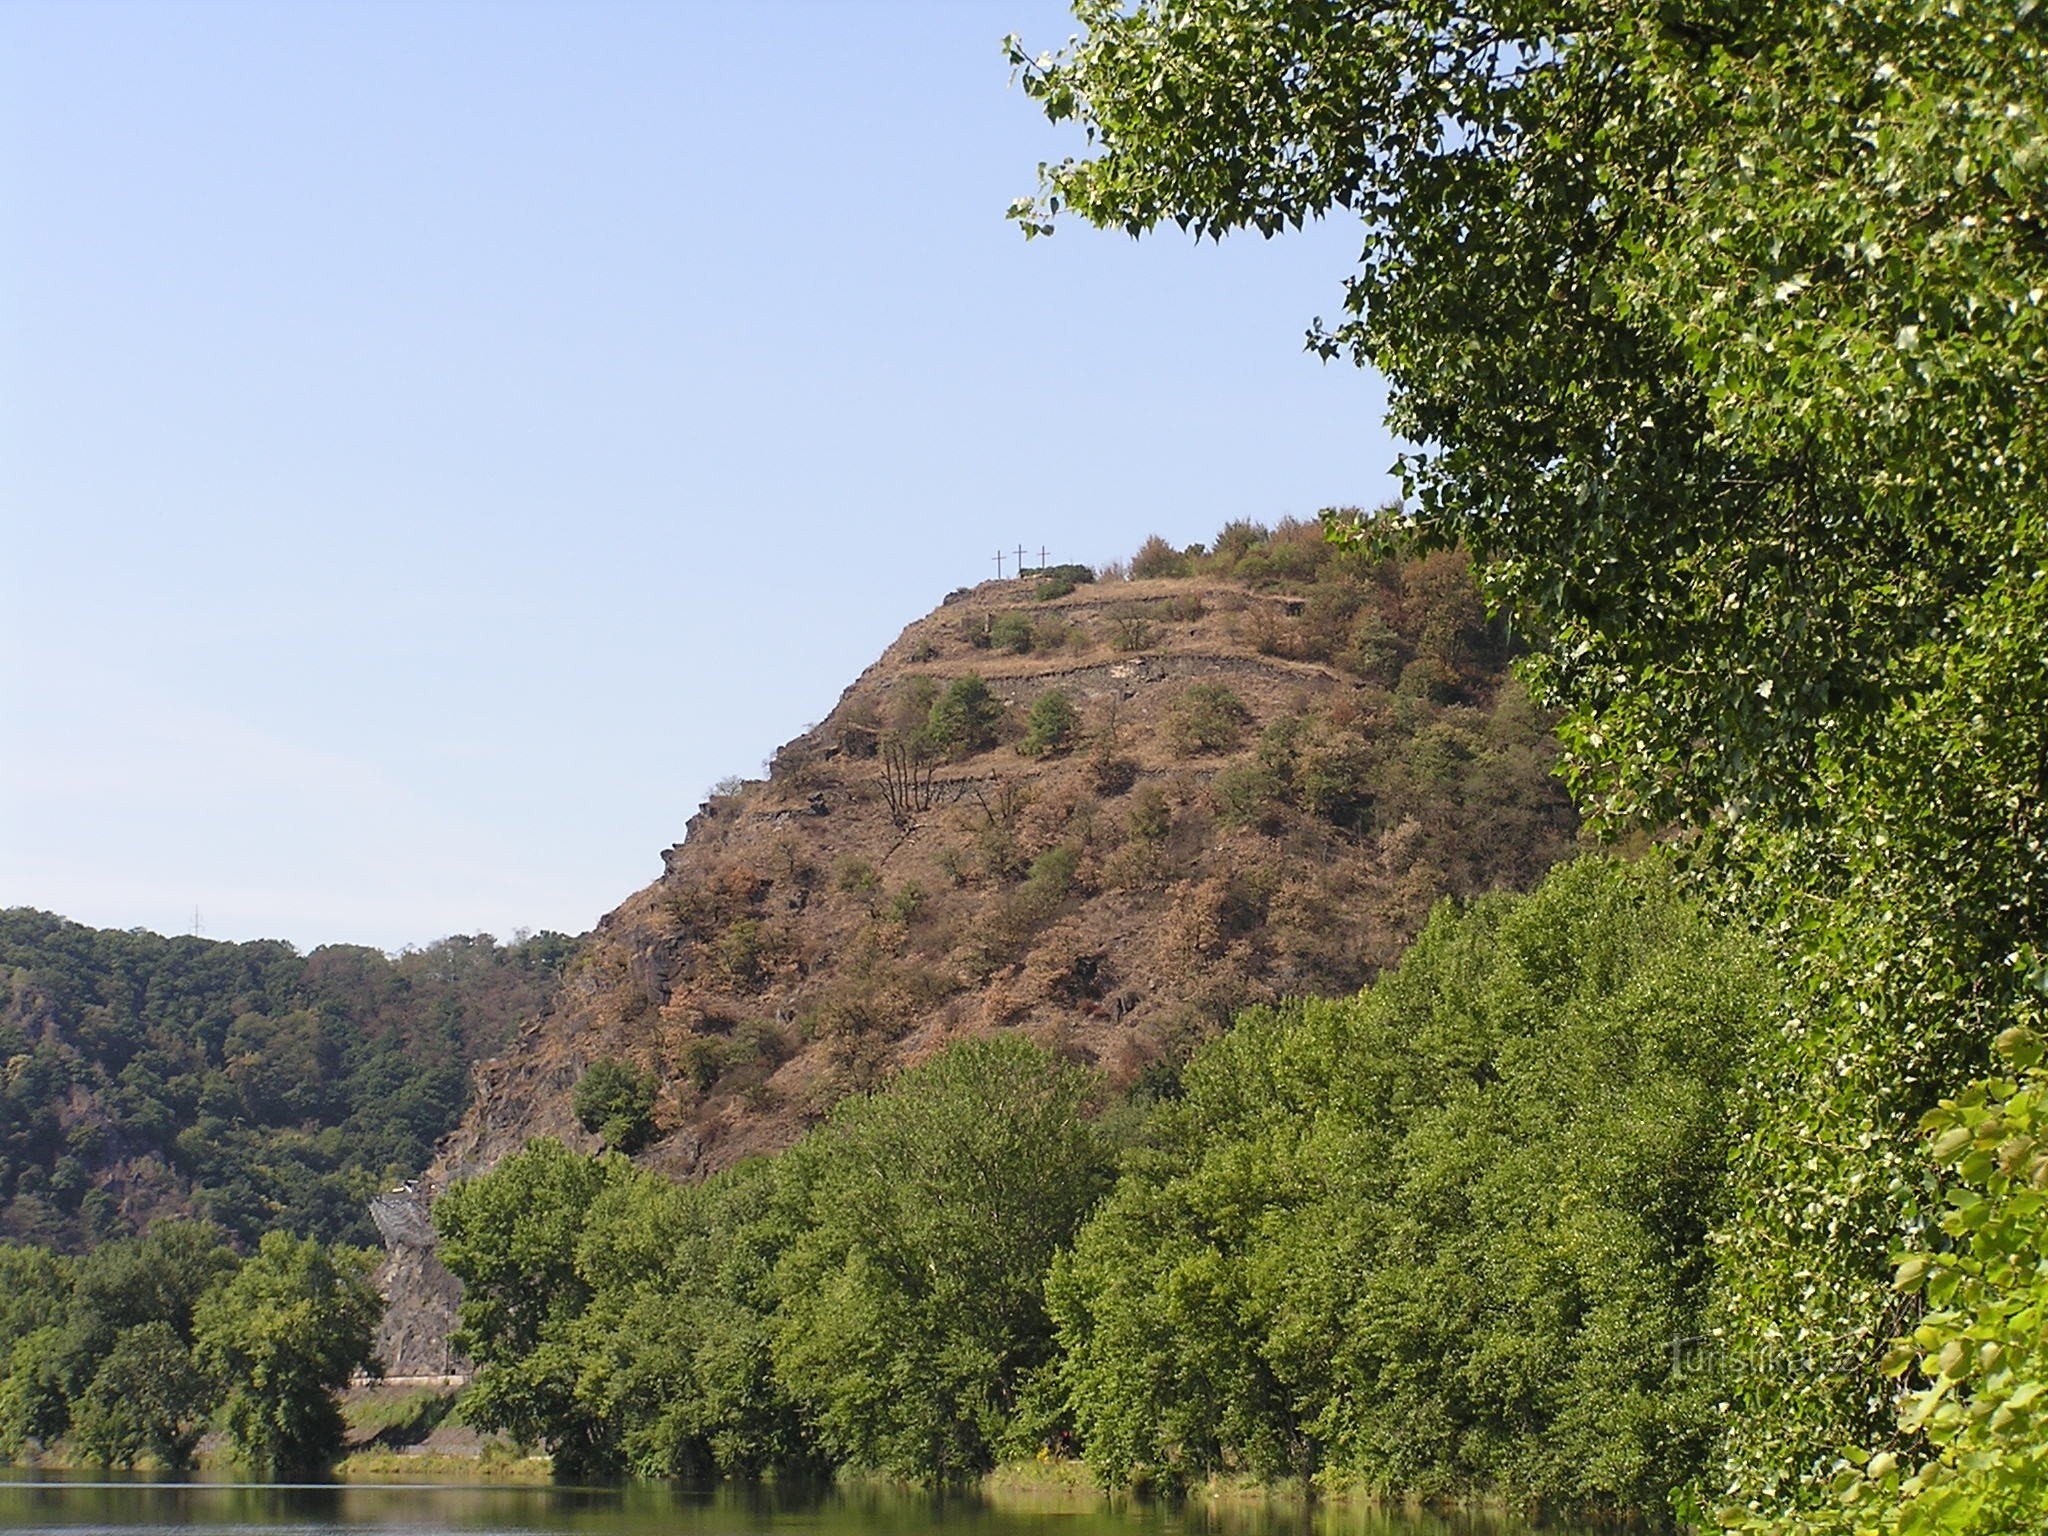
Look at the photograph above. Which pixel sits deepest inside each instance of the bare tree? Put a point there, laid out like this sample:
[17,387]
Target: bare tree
[909,776]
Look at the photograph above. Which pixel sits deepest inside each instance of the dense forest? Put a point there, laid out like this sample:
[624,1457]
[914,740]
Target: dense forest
[148,1077]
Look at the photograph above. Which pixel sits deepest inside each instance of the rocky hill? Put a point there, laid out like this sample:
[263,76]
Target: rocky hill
[1251,780]
[1109,813]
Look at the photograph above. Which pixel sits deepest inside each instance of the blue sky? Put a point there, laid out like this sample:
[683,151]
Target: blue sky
[439,440]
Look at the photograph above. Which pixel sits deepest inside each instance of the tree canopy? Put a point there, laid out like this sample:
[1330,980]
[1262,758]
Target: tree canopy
[126,1353]
[871,1298]
[1719,333]
[1447,1234]
[150,1077]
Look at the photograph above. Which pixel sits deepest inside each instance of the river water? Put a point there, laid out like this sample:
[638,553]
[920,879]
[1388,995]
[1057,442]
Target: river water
[73,1507]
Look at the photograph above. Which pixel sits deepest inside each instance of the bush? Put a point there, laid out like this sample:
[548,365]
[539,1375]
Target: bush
[1111,773]
[963,719]
[1427,680]
[1073,575]
[1150,818]
[1156,557]
[701,1059]
[1250,794]
[1133,630]
[740,954]
[911,703]
[1236,540]
[615,1101]
[1208,717]
[1010,632]
[1053,631]
[1053,871]
[1053,722]
[908,904]
[1373,651]
[857,876]
[1048,590]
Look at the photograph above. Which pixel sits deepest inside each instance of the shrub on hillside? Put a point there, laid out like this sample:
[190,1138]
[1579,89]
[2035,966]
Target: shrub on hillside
[1053,723]
[1073,575]
[1010,632]
[614,1101]
[1156,557]
[1133,630]
[963,719]
[1208,717]
[1109,771]
[1235,541]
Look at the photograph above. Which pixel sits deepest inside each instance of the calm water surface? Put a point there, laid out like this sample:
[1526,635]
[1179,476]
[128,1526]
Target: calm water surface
[75,1507]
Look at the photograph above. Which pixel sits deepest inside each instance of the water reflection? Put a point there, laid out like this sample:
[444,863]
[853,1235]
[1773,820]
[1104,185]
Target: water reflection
[133,1507]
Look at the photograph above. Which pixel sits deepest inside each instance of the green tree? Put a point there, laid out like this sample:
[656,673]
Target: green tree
[148,1398]
[286,1333]
[1052,724]
[1719,330]
[963,719]
[160,1277]
[35,1290]
[614,1101]
[1977,1402]
[79,1312]
[677,1340]
[1207,717]
[512,1237]
[42,1371]
[621,1320]
[911,1321]
[1442,1237]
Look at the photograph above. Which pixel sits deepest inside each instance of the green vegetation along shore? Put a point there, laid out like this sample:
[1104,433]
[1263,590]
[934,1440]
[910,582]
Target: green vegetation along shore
[129,1355]
[1447,1236]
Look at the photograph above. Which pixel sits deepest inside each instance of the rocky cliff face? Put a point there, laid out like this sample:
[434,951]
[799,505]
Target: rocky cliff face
[1255,794]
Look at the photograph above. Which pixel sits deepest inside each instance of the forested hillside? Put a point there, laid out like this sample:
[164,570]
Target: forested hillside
[263,1089]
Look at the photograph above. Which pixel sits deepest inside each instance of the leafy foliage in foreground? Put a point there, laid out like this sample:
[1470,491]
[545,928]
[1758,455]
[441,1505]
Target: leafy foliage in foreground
[1720,329]
[143,1076]
[1971,1458]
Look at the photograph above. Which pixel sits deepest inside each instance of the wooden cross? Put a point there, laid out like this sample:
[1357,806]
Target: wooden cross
[1020,559]
[999,564]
